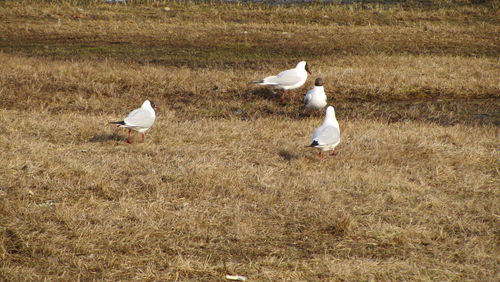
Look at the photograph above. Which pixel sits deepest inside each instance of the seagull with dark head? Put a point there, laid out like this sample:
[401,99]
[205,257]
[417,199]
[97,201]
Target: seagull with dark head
[140,119]
[289,79]
[327,136]
[315,98]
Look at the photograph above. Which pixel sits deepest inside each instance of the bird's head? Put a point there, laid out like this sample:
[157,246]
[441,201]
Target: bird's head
[307,69]
[318,82]
[152,104]
[303,65]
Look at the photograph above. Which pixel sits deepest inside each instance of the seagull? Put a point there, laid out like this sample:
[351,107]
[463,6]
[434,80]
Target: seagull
[140,119]
[289,79]
[327,136]
[315,98]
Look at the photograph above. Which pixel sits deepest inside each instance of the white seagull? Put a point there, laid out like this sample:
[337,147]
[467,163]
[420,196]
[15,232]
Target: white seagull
[289,79]
[315,98]
[327,136]
[140,119]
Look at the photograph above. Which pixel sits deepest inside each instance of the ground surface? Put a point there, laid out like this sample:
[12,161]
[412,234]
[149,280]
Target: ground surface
[223,183]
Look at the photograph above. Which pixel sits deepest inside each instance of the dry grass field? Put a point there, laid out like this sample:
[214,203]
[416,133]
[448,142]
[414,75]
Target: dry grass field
[223,183]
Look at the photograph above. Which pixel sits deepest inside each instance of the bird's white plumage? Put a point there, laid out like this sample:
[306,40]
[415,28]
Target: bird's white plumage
[140,119]
[327,135]
[315,98]
[289,79]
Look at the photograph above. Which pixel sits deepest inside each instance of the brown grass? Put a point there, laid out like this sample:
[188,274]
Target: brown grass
[209,197]
[224,184]
[447,90]
[221,35]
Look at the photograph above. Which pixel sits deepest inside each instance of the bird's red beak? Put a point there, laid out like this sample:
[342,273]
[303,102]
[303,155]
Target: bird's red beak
[157,108]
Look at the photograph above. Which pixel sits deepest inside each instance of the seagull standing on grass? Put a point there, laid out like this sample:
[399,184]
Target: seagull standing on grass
[289,79]
[327,136]
[315,98]
[140,119]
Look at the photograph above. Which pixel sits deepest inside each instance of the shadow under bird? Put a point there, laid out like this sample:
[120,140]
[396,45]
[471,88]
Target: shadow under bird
[327,136]
[289,79]
[140,119]
[315,98]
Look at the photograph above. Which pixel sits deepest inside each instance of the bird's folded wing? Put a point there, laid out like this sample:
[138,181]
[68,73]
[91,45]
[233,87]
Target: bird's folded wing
[288,77]
[308,97]
[327,135]
[140,118]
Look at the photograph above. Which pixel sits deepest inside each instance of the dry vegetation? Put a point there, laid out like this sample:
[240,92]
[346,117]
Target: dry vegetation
[223,184]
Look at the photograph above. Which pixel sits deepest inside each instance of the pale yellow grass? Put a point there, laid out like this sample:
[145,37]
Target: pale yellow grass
[203,198]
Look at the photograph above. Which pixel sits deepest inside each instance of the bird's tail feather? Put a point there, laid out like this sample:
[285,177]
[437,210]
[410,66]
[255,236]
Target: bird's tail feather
[118,122]
[313,144]
[257,81]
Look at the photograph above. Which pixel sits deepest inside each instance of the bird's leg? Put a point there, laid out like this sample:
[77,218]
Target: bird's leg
[334,153]
[320,156]
[128,138]
[142,137]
